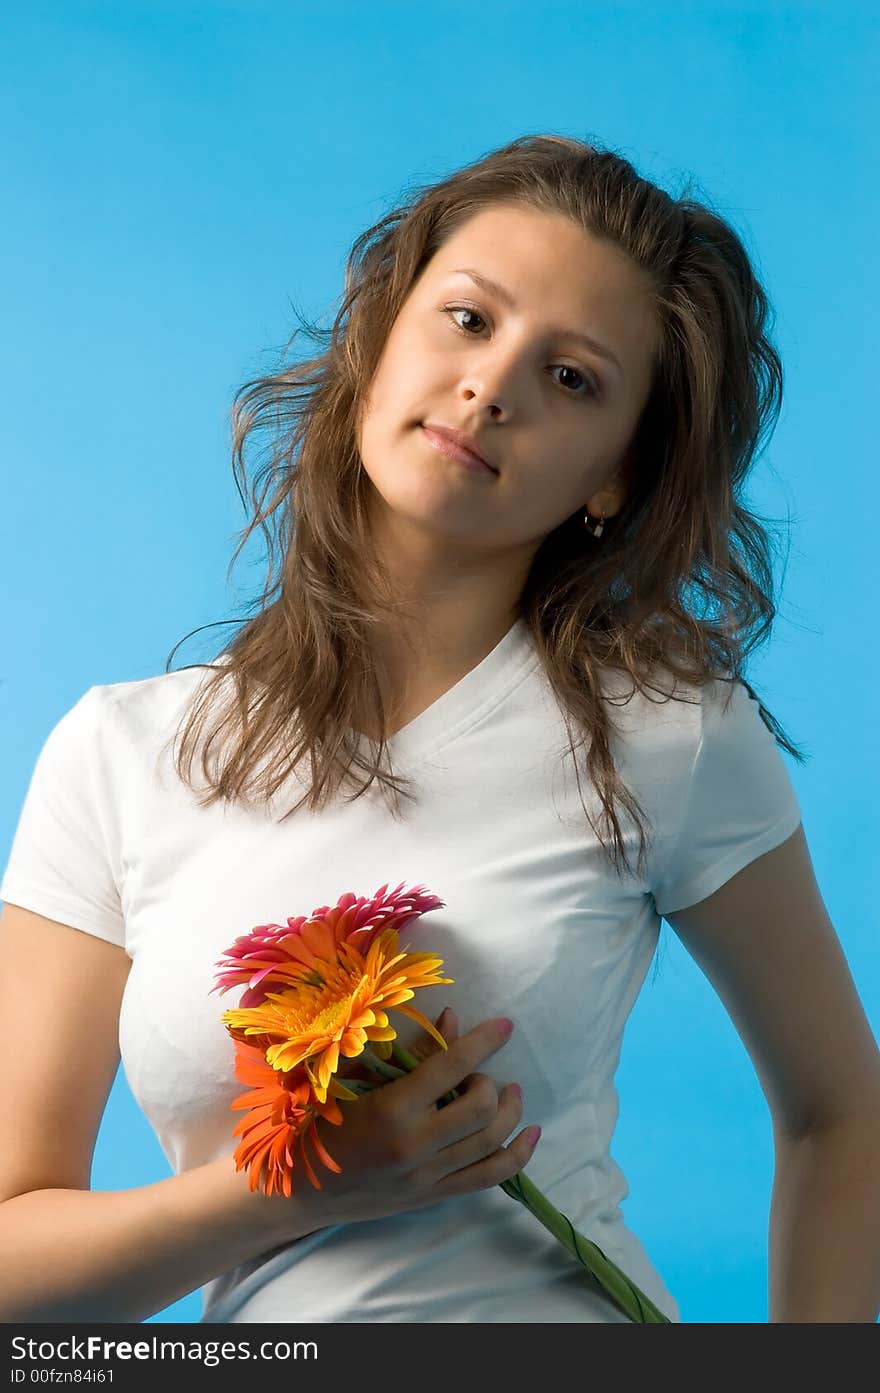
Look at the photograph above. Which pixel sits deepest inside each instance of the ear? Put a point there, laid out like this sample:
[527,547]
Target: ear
[608,500]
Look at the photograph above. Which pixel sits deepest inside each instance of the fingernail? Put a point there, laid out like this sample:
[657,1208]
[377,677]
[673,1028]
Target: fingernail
[443,1017]
[533,1136]
[517,1090]
[505,1027]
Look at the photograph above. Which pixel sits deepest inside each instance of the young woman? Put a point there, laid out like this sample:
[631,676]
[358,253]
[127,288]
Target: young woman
[509,499]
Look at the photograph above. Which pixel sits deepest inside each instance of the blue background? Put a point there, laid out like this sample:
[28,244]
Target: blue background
[177,174]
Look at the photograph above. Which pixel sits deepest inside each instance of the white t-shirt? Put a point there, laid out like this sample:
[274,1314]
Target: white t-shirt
[536,925]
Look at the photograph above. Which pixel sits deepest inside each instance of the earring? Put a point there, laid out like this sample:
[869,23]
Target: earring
[597,530]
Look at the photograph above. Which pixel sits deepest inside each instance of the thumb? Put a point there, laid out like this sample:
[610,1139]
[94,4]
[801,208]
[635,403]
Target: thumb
[447,1024]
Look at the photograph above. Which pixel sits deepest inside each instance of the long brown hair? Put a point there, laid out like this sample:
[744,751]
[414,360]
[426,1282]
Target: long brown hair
[680,579]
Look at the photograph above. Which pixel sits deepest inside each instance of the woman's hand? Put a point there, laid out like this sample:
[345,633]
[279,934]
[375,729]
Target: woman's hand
[399,1151]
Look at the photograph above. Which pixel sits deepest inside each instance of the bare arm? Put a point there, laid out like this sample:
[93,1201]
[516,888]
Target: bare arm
[67,1252]
[123,1255]
[825,1225]
[767,944]
[70,1253]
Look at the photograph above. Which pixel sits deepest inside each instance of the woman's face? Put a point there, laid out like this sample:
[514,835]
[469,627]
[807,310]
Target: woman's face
[551,414]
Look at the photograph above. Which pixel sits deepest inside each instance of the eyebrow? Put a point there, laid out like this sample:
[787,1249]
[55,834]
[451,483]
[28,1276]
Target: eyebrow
[504,295]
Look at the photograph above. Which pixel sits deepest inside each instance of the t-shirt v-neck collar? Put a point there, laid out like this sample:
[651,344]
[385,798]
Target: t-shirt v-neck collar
[467,701]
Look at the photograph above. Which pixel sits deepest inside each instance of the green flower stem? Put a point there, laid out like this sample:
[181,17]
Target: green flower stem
[404,1058]
[608,1277]
[386,1070]
[612,1281]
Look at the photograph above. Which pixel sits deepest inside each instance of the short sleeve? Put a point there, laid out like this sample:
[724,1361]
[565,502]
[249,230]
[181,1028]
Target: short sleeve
[63,862]
[738,803]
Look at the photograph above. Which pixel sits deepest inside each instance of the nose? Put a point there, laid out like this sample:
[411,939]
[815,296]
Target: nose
[491,402]
[494,384]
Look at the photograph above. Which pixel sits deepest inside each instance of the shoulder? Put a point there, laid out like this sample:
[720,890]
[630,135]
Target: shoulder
[661,714]
[126,729]
[672,733]
[665,706]
[145,704]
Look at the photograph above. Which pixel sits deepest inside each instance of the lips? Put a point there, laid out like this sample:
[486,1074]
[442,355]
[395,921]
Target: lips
[463,445]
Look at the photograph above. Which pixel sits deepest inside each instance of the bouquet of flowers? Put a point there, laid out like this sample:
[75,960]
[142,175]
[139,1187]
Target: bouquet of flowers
[321,986]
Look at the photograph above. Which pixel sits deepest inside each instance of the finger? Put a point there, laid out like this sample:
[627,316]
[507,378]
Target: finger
[502,1165]
[445,1069]
[359,1067]
[481,1134]
[447,1024]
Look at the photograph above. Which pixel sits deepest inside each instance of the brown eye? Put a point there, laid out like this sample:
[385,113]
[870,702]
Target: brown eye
[565,367]
[591,385]
[461,309]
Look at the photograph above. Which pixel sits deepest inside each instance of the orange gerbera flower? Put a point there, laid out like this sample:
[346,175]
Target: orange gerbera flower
[283,954]
[338,972]
[282,1112]
[337,1005]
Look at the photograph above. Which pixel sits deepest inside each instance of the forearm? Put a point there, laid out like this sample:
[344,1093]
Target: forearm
[825,1225]
[123,1255]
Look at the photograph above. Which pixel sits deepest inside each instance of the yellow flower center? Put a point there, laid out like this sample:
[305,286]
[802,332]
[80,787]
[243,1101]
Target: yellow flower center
[332,1016]
[326,1012]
